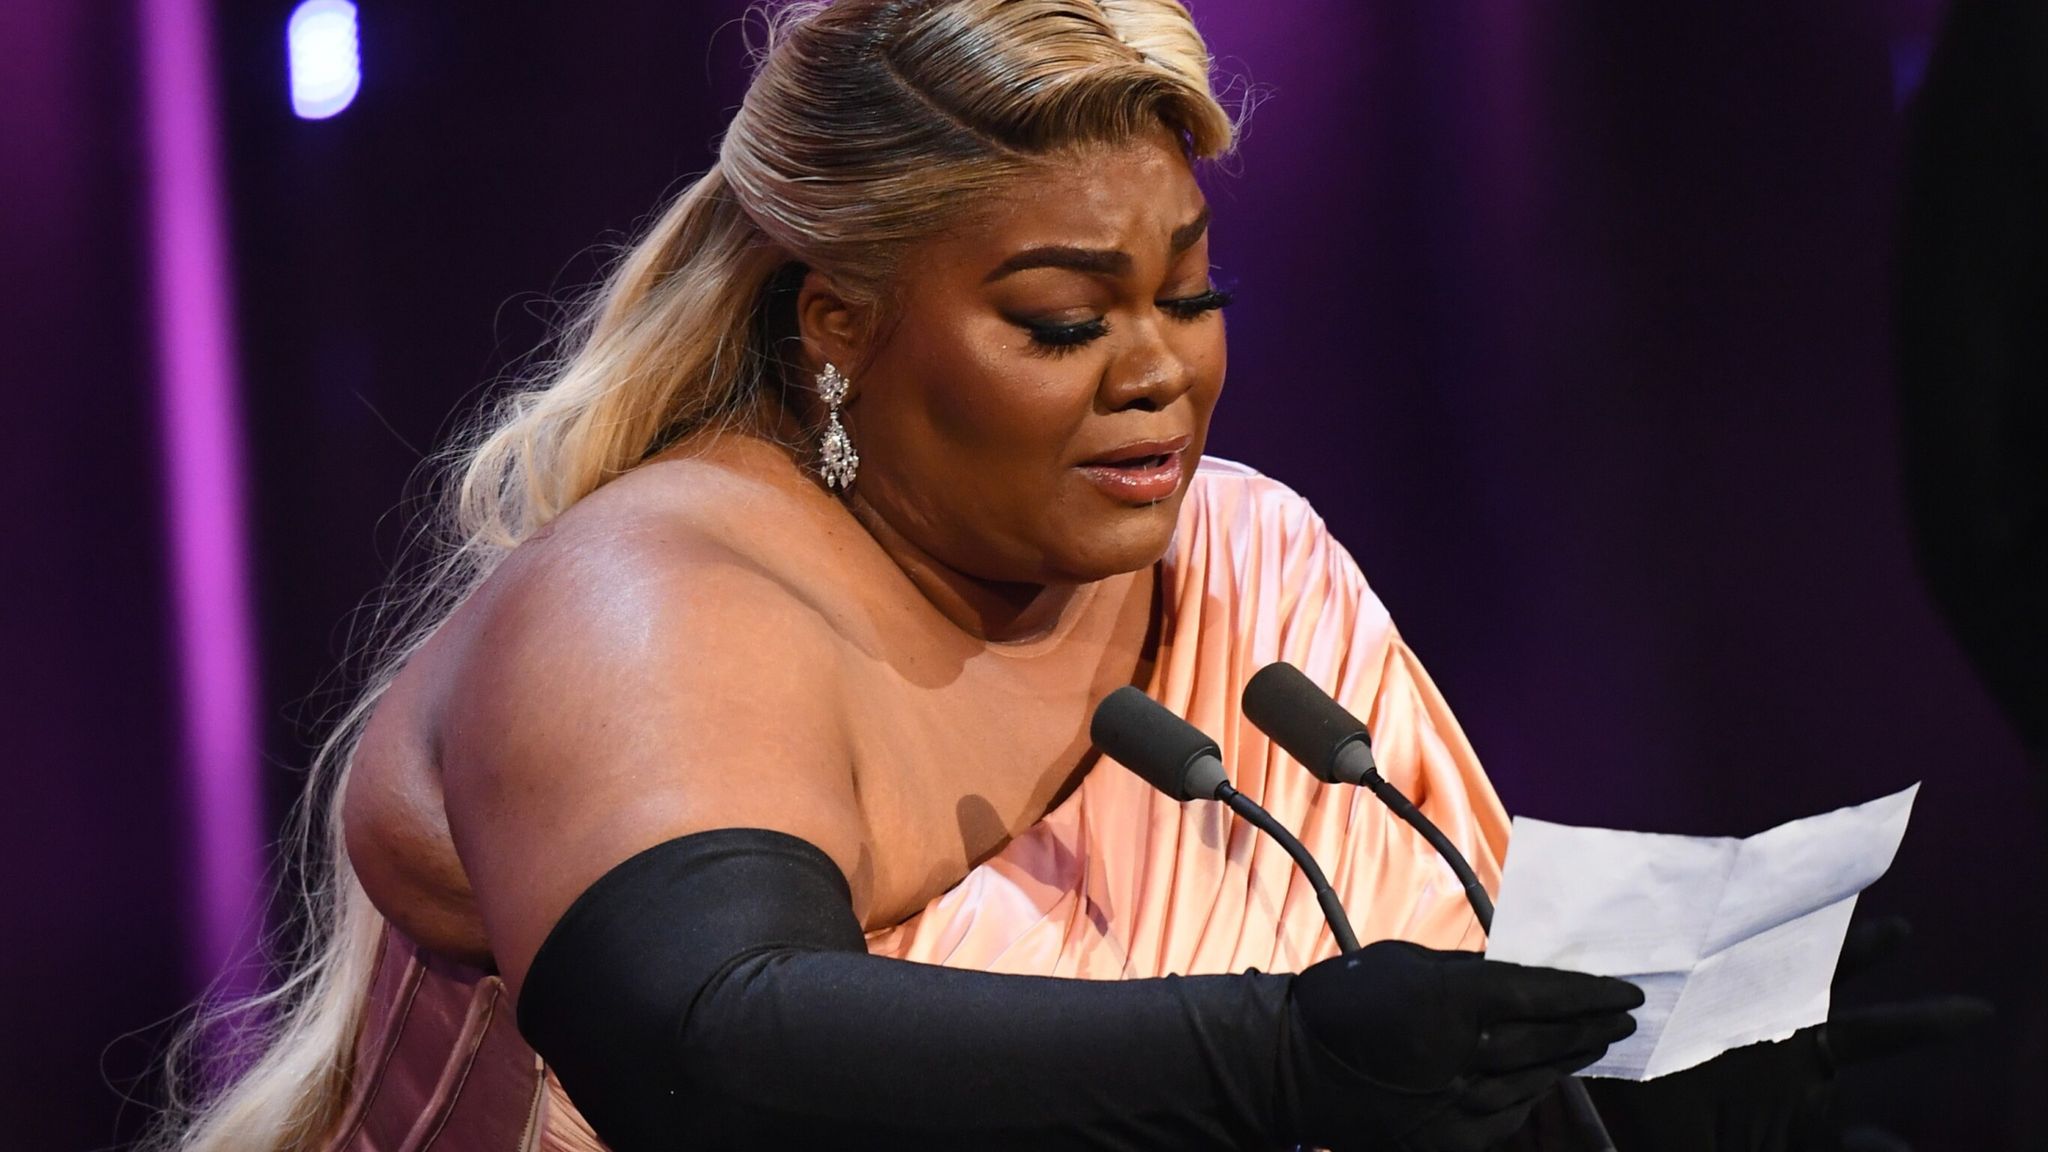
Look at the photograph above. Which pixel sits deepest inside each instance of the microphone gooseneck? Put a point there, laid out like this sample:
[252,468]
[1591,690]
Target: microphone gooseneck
[1326,896]
[1180,760]
[1334,745]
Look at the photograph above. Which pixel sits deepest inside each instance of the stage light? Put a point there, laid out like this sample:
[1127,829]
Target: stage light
[326,71]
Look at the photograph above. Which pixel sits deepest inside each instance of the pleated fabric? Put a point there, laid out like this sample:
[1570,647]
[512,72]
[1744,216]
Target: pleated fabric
[1121,882]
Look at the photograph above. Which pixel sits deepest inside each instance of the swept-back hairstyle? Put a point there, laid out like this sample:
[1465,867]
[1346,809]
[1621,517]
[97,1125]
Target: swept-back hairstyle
[869,126]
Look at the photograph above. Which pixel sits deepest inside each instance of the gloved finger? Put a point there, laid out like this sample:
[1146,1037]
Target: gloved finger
[1570,1064]
[1512,1045]
[1869,942]
[1485,1095]
[1880,1030]
[1515,992]
[1864,1138]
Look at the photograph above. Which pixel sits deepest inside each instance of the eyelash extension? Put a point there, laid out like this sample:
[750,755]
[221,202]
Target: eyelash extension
[1189,307]
[1055,339]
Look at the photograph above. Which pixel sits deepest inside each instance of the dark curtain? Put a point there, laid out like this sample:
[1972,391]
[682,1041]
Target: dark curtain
[92,941]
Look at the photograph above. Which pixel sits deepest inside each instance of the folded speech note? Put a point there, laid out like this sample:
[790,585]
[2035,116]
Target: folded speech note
[1732,941]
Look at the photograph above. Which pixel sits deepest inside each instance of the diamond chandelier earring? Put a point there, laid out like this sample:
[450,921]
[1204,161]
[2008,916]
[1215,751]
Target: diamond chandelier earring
[837,460]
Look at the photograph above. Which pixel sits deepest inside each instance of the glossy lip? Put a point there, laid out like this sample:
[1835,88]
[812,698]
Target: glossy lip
[1130,483]
[1136,449]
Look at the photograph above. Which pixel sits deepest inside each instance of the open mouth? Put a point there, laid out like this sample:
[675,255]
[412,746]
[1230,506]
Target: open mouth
[1139,474]
[1138,463]
[1141,454]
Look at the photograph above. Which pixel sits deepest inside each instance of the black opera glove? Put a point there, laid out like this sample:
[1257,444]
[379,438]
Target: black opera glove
[715,992]
[1445,1051]
[1780,1097]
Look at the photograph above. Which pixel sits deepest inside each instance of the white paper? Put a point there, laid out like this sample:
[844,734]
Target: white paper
[1732,941]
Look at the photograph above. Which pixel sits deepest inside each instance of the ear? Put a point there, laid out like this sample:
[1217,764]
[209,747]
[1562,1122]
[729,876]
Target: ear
[828,324]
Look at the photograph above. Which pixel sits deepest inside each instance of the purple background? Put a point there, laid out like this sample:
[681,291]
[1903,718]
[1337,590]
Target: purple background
[1572,318]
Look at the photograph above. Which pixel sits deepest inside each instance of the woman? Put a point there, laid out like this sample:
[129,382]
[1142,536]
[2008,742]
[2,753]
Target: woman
[769,651]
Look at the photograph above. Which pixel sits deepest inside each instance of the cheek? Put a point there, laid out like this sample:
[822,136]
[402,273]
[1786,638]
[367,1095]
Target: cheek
[1004,402]
[1205,357]
[1210,365]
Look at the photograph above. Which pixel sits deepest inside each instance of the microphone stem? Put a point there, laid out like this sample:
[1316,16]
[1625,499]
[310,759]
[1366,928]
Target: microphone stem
[1333,909]
[1475,892]
[1585,1115]
[1576,1101]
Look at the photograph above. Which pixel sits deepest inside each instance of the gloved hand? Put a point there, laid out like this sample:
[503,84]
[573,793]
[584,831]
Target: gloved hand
[1401,1046]
[1780,1097]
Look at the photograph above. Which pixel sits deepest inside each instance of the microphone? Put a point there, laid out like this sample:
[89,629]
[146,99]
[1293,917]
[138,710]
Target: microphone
[1334,745]
[1180,760]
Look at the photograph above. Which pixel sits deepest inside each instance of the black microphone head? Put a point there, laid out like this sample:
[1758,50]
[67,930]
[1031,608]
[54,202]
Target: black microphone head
[1314,729]
[1169,753]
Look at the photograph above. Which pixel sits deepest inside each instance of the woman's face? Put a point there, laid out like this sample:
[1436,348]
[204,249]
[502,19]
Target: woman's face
[1036,410]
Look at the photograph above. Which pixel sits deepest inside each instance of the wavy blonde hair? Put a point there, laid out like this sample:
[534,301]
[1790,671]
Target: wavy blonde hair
[869,126]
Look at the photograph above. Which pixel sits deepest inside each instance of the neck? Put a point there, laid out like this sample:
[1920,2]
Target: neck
[995,611]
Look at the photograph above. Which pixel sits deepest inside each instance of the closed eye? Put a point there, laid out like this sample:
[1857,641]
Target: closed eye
[1054,339]
[1057,338]
[1189,307]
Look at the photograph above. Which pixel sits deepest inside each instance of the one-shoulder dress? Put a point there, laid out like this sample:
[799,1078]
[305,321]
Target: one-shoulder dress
[1117,882]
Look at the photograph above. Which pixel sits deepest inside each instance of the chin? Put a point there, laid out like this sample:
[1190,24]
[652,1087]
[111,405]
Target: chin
[1132,540]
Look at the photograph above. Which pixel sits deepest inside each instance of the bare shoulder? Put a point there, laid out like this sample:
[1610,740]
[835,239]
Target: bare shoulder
[652,665]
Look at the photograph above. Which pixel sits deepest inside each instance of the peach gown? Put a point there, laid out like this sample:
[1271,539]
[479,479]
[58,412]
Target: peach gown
[1118,882]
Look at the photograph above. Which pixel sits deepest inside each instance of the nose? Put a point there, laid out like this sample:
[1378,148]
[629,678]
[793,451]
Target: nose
[1145,375]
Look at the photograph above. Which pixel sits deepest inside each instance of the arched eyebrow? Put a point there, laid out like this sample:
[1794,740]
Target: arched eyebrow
[1184,237]
[1095,261]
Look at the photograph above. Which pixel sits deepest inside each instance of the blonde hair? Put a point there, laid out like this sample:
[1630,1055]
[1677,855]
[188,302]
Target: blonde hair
[869,126]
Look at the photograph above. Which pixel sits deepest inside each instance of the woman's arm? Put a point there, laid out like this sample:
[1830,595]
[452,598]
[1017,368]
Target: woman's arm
[715,992]
[627,683]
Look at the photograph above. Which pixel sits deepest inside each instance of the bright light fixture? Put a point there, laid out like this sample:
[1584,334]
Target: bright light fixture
[326,70]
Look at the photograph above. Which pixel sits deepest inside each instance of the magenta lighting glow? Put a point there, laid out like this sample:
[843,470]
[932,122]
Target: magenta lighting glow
[202,451]
[326,67]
